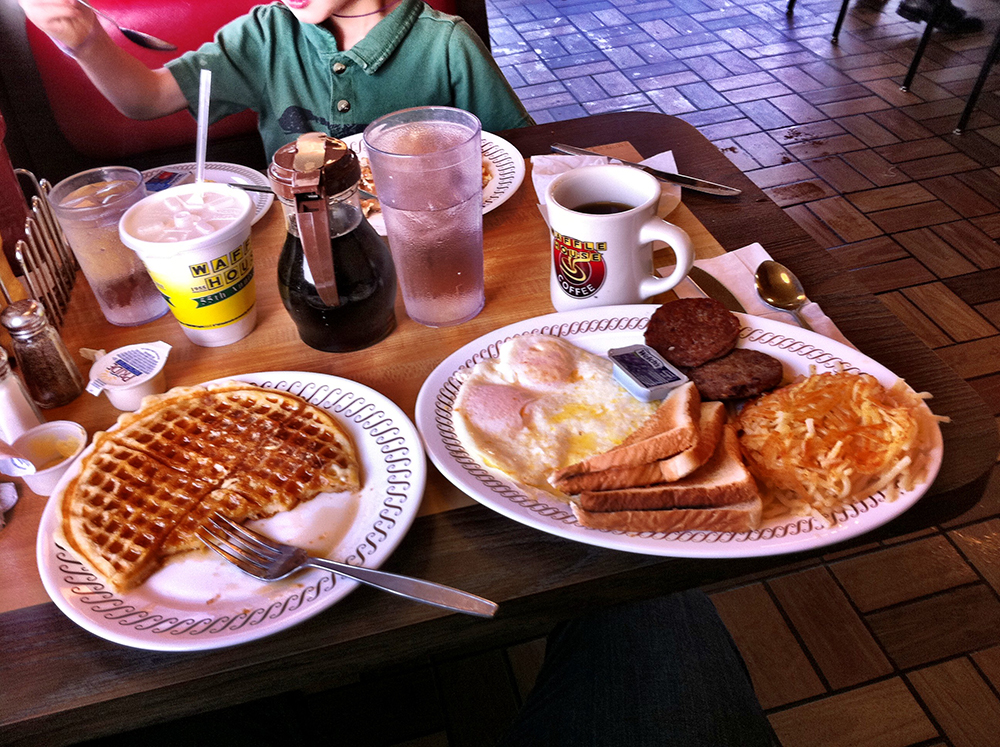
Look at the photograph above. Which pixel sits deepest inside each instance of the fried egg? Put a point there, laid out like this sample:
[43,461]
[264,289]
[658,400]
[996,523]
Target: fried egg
[541,405]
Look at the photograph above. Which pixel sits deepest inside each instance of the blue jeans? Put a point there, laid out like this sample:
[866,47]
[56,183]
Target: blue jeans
[659,672]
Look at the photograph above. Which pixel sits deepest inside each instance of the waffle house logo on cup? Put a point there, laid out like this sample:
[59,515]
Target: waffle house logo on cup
[580,266]
[222,277]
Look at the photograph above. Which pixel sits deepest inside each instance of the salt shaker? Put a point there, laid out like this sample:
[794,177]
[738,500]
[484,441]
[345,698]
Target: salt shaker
[51,375]
[17,412]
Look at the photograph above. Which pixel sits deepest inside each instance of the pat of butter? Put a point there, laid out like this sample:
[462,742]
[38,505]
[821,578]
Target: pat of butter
[644,372]
[130,373]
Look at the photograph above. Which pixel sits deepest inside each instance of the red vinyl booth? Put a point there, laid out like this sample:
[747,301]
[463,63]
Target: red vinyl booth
[58,123]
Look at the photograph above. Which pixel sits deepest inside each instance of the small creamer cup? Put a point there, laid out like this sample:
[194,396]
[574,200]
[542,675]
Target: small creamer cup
[606,258]
[51,447]
[195,242]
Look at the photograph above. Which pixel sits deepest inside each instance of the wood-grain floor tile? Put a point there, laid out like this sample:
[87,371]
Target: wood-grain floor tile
[915,320]
[973,243]
[800,192]
[966,201]
[832,631]
[926,168]
[869,252]
[981,545]
[898,122]
[916,150]
[779,669]
[900,574]
[887,198]
[849,223]
[781,175]
[971,719]
[811,224]
[988,661]
[914,216]
[973,359]
[977,288]
[988,387]
[840,175]
[821,147]
[950,624]
[894,275]
[939,256]
[961,322]
[876,169]
[883,714]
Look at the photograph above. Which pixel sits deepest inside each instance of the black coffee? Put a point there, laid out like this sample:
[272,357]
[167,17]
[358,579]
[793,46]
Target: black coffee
[602,208]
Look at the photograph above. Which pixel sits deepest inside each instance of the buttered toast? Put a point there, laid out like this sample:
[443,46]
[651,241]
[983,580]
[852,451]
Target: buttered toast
[720,496]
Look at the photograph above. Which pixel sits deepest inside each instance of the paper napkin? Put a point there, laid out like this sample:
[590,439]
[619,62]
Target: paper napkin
[735,270]
[546,168]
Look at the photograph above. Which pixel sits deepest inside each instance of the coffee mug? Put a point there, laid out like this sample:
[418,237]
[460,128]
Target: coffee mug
[603,223]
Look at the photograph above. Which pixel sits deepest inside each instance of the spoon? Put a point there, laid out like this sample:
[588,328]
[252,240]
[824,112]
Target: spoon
[780,289]
[136,37]
[13,463]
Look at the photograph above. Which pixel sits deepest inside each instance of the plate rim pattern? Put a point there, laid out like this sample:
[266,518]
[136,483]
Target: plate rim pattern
[86,599]
[757,330]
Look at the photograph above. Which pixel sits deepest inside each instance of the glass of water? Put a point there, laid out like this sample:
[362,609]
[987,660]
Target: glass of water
[427,164]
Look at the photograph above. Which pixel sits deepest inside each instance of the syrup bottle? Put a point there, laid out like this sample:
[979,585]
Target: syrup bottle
[335,274]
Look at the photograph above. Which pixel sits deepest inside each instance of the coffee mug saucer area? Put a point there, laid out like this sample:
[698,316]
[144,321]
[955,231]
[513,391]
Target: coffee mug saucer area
[603,222]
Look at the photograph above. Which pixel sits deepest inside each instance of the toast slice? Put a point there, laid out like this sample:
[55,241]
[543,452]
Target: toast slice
[722,481]
[670,430]
[711,421]
[739,517]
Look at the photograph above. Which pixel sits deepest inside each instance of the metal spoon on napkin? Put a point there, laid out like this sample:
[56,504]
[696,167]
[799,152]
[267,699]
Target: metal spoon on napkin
[136,37]
[780,289]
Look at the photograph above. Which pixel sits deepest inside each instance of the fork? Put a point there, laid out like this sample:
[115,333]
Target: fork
[265,559]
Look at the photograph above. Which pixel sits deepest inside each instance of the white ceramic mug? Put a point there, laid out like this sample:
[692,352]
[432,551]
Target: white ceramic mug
[603,223]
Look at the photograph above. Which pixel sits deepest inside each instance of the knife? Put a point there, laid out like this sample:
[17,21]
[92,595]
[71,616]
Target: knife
[712,288]
[689,182]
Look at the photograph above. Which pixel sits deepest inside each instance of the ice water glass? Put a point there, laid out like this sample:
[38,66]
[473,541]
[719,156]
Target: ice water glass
[427,164]
[88,206]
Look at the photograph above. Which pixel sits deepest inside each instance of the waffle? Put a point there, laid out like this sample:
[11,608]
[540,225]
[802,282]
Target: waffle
[146,487]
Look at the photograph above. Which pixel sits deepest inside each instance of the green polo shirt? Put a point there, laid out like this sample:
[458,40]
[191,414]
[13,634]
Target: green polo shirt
[297,80]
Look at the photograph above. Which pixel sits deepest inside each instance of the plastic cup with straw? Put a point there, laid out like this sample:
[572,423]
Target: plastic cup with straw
[195,242]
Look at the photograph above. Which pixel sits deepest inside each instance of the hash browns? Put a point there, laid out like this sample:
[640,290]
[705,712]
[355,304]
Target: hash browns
[829,440]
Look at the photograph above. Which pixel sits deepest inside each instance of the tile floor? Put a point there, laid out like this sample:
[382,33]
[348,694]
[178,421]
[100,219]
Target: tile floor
[886,644]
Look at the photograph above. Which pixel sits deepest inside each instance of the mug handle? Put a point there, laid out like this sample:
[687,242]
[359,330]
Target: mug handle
[679,241]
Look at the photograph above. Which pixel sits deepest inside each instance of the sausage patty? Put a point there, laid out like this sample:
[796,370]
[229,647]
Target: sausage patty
[691,331]
[741,373]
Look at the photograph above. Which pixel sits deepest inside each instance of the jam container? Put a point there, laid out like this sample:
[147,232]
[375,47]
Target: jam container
[130,373]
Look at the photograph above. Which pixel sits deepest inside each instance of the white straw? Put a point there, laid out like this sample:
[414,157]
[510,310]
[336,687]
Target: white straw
[204,97]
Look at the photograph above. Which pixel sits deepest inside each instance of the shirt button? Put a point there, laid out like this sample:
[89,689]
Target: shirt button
[343,105]
[339,67]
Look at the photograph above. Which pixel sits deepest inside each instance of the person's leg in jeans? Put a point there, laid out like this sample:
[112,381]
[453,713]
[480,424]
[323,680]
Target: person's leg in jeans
[660,672]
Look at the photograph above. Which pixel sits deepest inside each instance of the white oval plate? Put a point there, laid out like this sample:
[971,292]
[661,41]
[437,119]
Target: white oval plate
[199,601]
[506,165]
[598,330]
[224,173]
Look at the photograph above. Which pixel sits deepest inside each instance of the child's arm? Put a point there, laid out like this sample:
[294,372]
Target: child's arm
[134,89]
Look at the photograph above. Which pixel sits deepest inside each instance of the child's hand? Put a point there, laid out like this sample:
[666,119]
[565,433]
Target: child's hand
[66,21]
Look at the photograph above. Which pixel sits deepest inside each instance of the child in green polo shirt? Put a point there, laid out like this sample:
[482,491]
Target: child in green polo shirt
[303,65]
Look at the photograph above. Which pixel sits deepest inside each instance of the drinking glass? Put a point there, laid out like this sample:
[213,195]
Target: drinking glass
[427,164]
[88,206]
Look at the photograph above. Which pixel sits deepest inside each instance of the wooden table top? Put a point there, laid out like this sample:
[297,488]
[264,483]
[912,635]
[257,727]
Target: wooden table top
[74,685]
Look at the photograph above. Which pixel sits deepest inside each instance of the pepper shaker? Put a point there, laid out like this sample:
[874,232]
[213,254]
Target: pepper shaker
[48,369]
